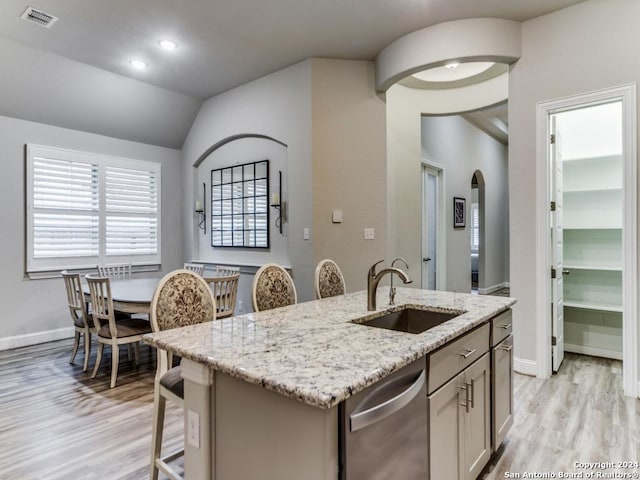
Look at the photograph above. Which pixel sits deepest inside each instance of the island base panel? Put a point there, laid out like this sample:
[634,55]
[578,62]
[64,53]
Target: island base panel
[263,435]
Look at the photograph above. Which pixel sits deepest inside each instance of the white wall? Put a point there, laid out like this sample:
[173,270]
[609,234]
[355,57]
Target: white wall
[349,167]
[579,49]
[35,310]
[462,149]
[241,151]
[277,106]
[405,107]
[40,86]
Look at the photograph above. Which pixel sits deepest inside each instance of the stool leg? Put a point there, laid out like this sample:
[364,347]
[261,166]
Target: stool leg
[158,427]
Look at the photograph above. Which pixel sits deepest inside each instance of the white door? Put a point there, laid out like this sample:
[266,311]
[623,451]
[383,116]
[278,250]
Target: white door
[430,187]
[556,270]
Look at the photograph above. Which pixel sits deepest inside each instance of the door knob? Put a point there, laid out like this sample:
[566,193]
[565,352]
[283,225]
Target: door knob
[426,259]
[565,271]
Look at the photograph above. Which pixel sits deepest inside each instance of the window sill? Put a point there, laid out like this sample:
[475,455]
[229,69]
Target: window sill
[47,274]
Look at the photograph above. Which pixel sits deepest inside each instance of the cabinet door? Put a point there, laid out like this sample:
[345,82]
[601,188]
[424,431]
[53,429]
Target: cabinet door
[477,421]
[502,393]
[445,430]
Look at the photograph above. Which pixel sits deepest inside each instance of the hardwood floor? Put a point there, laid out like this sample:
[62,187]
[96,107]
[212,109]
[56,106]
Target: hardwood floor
[579,415]
[58,423]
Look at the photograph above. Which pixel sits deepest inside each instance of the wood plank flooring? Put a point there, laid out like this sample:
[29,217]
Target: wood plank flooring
[579,415]
[58,423]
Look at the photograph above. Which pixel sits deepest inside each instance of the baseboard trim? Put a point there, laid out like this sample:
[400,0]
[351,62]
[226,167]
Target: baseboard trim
[17,341]
[593,351]
[493,288]
[525,367]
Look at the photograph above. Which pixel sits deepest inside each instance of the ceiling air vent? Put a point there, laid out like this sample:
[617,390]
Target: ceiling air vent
[38,17]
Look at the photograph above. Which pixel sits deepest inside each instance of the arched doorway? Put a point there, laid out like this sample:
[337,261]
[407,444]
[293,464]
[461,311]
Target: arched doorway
[476,234]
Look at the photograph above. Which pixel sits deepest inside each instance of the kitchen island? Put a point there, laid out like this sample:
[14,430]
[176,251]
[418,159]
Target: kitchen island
[262,389]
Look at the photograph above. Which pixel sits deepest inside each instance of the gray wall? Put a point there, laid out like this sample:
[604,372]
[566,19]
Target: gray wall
[35,310]
[579,49]
[277,106]
[43,87]
[349,167]
[462,149]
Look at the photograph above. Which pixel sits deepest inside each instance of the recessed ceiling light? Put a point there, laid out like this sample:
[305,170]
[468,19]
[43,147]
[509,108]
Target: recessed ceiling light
[448,73]
[168,44]
[138,64]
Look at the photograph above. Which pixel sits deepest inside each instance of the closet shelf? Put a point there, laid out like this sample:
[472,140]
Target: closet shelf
[615,157]
[603,307]
[584,191]
[604,268]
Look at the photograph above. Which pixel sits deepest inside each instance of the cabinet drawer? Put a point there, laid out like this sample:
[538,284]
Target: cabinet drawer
[454,357]
[500,327]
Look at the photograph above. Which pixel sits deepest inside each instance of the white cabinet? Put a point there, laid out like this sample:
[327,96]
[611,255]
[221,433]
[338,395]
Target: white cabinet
[593,206]
[501,391]
[459,409]
[501,378]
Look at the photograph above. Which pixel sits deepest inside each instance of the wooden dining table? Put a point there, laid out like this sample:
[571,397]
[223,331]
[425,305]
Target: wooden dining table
[131,295]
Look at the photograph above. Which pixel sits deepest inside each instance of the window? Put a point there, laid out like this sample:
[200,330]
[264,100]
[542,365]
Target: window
[84,209]
[239,206]
[475,227]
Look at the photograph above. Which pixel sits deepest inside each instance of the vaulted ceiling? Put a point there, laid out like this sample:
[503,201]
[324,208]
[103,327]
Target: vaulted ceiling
[221,45]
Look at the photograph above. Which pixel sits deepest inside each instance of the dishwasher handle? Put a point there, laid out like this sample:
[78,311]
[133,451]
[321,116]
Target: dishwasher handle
[383,410]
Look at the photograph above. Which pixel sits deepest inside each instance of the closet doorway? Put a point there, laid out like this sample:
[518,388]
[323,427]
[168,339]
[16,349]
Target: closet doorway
[592,246]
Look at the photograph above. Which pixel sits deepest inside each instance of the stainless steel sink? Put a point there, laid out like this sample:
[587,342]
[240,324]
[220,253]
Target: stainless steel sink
[411,320]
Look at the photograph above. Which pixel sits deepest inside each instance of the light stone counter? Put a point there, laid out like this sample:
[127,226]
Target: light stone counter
[314,352]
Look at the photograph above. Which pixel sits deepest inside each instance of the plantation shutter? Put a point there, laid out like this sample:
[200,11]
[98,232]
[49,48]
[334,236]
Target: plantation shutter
[86,209]
[65,208]
[131,212]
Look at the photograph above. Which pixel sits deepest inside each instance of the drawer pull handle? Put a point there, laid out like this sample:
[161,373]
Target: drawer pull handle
[506,326]
[468,352]
[506,348]
[466,403]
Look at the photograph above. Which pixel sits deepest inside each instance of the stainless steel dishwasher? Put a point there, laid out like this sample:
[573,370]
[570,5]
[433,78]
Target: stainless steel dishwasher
[383,429]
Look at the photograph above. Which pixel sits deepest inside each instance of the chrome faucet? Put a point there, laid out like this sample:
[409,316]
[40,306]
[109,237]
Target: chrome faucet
[392,289]
[373,279]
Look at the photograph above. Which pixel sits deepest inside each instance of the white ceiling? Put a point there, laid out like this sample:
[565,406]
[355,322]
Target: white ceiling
[223,44]
[77,75]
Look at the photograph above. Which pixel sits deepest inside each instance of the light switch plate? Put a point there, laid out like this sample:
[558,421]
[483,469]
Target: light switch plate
[369,234]
[336,216]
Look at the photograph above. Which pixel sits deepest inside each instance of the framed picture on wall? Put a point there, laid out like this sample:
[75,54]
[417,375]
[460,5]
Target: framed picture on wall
[459,207]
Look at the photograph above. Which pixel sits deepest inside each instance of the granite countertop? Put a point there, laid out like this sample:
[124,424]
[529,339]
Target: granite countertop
[314,352]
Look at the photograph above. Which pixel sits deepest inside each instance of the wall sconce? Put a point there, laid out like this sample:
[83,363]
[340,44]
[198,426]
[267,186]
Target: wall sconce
[276,202]
[200,210]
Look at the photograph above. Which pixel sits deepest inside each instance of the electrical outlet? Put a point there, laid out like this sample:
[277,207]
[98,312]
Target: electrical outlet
[240,306]
[305,233]
[193,429]
[369,234]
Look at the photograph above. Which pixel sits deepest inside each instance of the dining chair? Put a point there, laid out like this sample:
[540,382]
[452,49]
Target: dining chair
[119,271]
[226,270]
[272,287]
[195,267]
[125,331]
[329,281]
[83,326]
[225,290]
[181,298]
